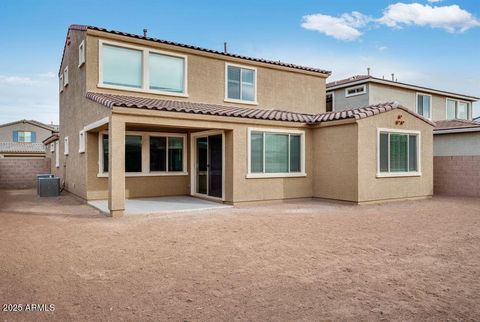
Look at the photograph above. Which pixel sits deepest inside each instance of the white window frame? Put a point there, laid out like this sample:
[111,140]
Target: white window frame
[251,175]
[145,69]
[65,77]
[81,141]
[23,136]
[469,108]
[57,154]
[65,146]
[431,104]
[81,54]
[60,83]
[52,147]
[240,101]
[145,155]
[417,173]
[363,87]
[333,100]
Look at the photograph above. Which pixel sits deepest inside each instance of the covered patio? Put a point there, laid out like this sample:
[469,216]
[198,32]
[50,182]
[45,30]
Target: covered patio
[159,205]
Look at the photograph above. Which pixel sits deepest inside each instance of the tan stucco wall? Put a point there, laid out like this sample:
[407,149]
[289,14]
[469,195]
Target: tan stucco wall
[75,113]
[280,88]
[6,132]
[335,162]
[371,188]
[456,144]
[237,187]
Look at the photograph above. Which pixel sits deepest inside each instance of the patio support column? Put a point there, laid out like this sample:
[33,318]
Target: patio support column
[116,166]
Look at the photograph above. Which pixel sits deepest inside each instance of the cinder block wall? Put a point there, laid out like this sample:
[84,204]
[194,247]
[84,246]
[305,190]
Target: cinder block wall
[457,175]
[21,173]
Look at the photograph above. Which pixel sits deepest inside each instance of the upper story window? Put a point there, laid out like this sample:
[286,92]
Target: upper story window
[24,136]
[122,66]
[60,83]
[241,84]
[357,90]
[141,69]
[166,73]
[329,101]
[398,153]
[81,53]
[424,105]
[458,110]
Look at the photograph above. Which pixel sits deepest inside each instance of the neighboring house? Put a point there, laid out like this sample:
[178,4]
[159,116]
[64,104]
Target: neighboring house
[145,117]
[363,90]
[22,153]
[457,158]
[23,138]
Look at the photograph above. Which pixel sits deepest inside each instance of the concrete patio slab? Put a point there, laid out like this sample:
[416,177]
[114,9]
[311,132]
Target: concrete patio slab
[161,205]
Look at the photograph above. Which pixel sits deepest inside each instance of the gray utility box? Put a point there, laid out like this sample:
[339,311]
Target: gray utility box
[48,186]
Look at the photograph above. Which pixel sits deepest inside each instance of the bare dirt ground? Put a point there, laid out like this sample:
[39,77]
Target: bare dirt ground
[311,260]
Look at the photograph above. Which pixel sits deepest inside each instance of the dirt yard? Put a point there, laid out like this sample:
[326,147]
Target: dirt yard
[304,261]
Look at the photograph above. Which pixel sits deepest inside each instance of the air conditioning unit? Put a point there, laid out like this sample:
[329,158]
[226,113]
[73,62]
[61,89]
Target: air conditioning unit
[48,185]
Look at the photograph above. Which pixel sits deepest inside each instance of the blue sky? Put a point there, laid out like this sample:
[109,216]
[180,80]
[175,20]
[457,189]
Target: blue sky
[430,43]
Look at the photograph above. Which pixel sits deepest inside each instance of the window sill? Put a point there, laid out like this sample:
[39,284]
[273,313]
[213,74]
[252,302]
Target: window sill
[275,175]
[398,174]
[147,174]
[230,100]
[141,90]
[355,94]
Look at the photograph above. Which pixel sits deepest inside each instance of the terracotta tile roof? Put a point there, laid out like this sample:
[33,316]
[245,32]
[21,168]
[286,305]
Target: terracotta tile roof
[21,147]
[367,111]
[33,122]
[111,100]
[52,138]
[260,60]
[455,124]
[352,79]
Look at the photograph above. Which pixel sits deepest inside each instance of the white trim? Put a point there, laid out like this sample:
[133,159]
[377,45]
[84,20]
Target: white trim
[363,87]
[65,77]
[146,155]
[240,101]
[57,154]
[65,146]
[457,130]
[60,83]
[333,100]
[251,175]
[81,54]
[96,124]
[81,141]
[419,154]
[457,101]
[145,69]
[430,107]
[193,163]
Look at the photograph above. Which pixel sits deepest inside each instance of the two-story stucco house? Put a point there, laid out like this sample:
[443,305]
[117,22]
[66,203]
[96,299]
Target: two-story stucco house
[145,117]
[363,90]
[24,138]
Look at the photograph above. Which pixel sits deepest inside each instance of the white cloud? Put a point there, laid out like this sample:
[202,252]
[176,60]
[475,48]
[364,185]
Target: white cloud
[48,75]
[348,26]
[28,97]
[344,27]
[450,18]
[381,48]
[15,80]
